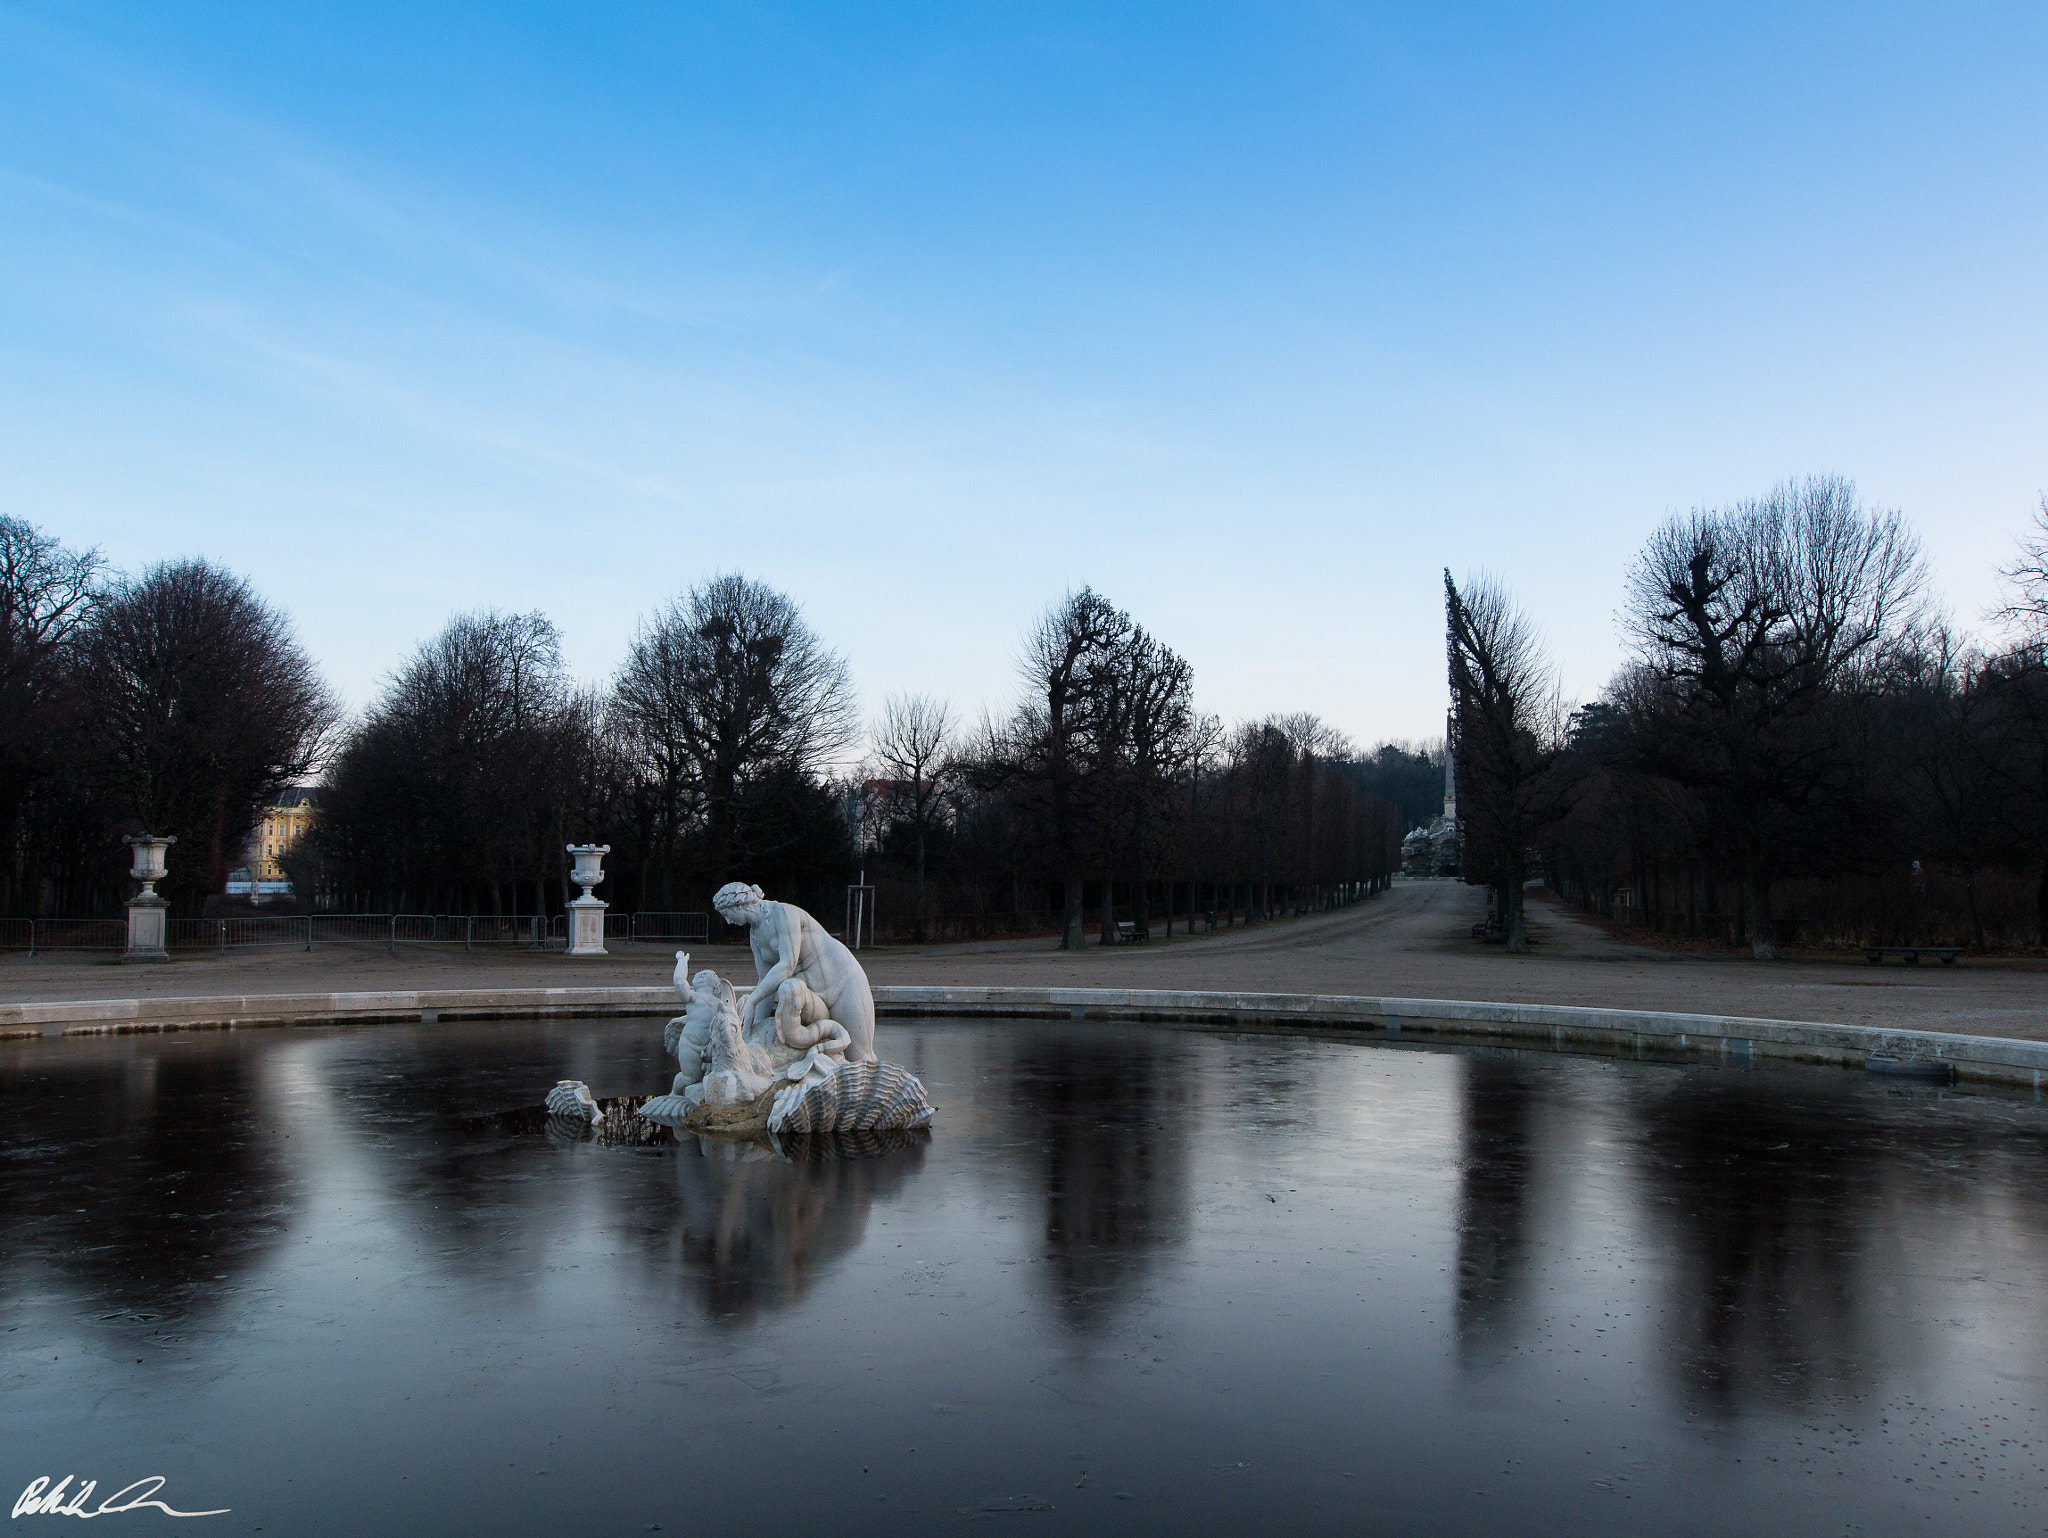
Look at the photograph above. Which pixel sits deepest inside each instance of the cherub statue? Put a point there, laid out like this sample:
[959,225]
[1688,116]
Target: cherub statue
[716,1062]
[733,1068]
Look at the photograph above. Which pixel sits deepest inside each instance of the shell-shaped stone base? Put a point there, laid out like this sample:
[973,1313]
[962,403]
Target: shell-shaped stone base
[572,1098]
[668,1110]
[859,1097]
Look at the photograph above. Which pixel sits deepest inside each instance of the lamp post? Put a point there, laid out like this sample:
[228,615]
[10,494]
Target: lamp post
[586,913]
[148,914]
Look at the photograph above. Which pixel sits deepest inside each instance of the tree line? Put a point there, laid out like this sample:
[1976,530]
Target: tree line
[704,760]
[1800,742]
[173,700]
[1106,798]
[727,745]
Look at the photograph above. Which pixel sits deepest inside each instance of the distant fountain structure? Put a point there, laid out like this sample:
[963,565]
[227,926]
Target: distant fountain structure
[1438,848]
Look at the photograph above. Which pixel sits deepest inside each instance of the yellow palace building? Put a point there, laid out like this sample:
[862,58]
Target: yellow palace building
[282,825]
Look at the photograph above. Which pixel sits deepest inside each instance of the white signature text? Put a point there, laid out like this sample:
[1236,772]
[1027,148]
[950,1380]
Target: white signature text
[40,1499]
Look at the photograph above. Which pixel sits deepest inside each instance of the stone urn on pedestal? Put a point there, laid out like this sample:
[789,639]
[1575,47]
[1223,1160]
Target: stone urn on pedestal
[148,914]
[586,913]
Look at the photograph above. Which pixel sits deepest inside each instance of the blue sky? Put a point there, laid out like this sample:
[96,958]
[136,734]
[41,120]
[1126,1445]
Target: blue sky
[1253,316]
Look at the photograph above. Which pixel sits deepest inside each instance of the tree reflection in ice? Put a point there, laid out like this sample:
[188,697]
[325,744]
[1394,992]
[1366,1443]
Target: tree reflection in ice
[1772,1198]
[1107,1122]
[148,1173]
[1496,1175]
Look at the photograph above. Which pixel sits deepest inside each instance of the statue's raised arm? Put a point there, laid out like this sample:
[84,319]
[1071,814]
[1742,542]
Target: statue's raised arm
[805,975]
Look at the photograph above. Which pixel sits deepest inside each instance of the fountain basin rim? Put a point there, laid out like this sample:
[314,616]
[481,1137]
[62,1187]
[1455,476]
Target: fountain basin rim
[1647,1034]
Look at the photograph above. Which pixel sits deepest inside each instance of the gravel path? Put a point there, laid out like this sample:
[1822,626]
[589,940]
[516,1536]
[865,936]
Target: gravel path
[1412,942]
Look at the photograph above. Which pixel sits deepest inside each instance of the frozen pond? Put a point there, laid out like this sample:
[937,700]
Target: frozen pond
[1138,1280]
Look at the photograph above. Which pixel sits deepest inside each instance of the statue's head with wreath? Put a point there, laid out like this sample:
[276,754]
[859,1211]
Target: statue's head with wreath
[737,902]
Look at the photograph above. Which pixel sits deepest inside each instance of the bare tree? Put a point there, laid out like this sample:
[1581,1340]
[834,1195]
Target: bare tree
[2026,579]
[201,706]
[1764,624]
[449,792]
[2011,739]
[1949,735]
[914,744]
[1508,727]
[1204,738]
[1067,665]
[1156,741]
[46,598]
[655,707]
[994,809]
[1311,736]
[1105,769]
[725,686]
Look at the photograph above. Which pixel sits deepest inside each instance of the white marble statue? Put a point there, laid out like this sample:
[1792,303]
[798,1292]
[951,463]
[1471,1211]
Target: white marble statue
[802,969]
[796,1050]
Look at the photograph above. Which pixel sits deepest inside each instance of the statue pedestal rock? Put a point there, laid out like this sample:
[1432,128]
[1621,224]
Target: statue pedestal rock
[794,1053]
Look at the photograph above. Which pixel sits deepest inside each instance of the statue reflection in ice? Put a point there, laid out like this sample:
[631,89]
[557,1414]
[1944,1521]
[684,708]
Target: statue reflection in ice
[785,1125]
[757,1225]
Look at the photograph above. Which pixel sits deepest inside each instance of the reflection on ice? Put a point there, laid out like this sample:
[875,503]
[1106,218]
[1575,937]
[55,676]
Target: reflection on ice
[754,1221]
[756,1227]
[144,1178]
[1223,1268]
[1495,1200]
[1107,1122]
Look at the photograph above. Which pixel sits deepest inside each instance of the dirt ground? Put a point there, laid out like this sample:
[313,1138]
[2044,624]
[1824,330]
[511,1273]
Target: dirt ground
[1414,941]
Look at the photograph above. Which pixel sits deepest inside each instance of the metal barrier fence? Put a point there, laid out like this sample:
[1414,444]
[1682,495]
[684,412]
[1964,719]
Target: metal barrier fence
[657,928]
[243,933]
[302,931]
[385,929]
[532,932]
[34,935]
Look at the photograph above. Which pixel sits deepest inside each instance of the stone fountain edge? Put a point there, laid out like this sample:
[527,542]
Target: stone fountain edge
[1643,1034]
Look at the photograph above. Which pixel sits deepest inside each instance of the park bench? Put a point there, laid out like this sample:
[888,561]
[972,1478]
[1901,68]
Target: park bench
[1911,954]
